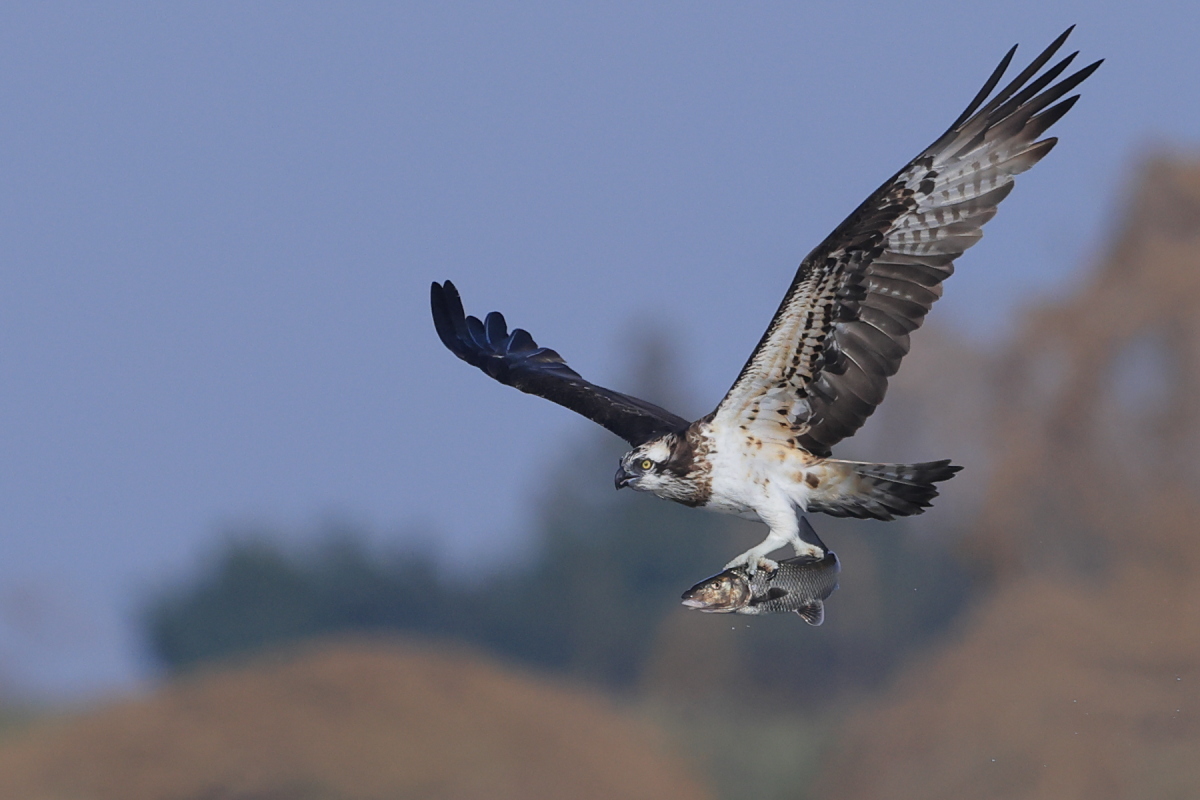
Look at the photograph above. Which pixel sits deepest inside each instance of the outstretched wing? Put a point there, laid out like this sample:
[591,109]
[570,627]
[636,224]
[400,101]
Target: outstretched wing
[822,366]
[516,360]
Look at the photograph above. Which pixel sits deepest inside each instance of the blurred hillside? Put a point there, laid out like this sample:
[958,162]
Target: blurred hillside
[349,721]
[1078,673]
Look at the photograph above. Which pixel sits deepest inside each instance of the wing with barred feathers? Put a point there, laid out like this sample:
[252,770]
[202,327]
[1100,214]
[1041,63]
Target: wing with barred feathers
[516,360]
[823,364]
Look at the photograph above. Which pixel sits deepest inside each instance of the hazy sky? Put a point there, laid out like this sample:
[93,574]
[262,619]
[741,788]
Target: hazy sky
[220,222]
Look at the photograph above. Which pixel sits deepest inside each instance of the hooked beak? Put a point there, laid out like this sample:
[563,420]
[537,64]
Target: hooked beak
[622,478]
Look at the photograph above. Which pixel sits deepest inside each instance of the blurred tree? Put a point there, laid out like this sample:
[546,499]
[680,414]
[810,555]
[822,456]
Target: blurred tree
[256,595]
[608,566]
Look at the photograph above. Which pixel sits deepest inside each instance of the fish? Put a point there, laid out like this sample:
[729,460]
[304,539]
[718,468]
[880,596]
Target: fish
[800,584]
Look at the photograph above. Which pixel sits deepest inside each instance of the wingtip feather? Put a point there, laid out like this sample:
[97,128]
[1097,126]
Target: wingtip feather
[443,321]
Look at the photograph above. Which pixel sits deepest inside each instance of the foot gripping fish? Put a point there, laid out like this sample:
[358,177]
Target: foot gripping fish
[800,584]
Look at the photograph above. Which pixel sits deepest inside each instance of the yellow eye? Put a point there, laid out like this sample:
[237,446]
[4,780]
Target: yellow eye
[647,463]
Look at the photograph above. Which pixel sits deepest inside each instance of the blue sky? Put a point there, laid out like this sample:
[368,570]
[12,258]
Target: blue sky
[219,221]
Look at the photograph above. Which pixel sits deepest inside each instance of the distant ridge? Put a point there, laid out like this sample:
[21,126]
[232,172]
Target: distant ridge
[351,720]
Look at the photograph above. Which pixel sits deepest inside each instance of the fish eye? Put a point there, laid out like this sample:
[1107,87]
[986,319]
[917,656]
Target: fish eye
[647,463]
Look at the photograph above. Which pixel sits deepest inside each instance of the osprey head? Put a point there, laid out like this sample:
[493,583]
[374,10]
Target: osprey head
[660,466]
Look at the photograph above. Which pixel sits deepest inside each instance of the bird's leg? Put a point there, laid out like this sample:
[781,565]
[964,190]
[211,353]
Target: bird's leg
[785,529]
[807,543]
[755,558]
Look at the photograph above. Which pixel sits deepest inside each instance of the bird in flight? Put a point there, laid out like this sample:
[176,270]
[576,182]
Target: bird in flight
[823,364]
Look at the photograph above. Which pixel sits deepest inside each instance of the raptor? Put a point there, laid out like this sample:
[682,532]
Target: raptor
[822,367]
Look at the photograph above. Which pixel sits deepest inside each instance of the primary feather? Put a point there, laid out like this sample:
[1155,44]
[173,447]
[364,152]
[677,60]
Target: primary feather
[516,360]
[842,328]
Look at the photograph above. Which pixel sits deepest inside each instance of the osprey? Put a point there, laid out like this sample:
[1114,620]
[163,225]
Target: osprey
[823,364]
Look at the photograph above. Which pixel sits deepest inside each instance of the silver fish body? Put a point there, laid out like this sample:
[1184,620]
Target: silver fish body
[799,584]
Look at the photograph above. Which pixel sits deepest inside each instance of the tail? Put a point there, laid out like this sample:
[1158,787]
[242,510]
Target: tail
[878,491]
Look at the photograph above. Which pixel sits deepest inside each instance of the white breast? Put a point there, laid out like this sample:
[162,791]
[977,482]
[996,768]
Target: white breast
[750,476]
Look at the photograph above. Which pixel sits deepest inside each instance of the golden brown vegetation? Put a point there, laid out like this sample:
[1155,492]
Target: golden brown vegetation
[350,721]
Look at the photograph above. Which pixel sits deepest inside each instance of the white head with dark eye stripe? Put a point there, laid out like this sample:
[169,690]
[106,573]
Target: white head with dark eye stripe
[659,466]
[642,467]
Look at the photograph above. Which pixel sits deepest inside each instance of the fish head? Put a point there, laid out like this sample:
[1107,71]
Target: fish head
[721,593]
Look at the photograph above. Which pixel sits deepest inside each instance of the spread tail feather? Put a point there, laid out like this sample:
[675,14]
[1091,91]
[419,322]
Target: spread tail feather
[878,491]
